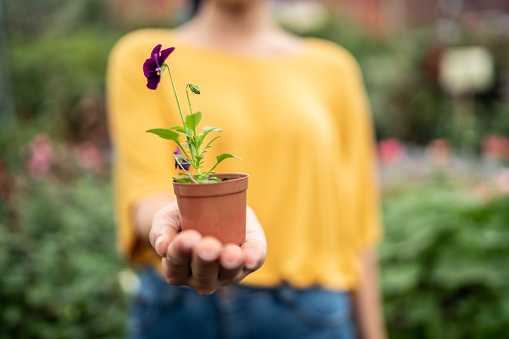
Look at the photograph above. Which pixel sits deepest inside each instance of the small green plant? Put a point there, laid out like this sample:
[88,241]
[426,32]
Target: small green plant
[153,69]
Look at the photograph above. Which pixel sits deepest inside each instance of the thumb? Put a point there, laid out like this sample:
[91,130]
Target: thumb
[165,227]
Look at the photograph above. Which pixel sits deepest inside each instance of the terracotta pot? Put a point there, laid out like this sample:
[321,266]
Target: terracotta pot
[217,209]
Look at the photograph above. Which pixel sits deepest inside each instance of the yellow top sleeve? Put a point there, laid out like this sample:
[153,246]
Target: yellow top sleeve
[302,126]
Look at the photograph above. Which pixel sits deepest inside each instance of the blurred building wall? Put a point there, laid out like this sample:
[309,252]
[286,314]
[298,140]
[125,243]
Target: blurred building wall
[392,16]
[145,11]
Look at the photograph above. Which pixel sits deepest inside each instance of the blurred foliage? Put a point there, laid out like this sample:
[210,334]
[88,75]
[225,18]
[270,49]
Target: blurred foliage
[28,19]
[57,236]
[401,78]
[52,73]
[444,263]
[58,56]
[58,262]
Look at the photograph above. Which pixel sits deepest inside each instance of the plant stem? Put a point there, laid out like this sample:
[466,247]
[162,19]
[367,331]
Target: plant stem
[165,66]
[189,100]
[210,170]
[195,133]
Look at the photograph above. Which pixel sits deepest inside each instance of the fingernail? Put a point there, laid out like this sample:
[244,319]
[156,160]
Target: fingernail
[230,263]
[187,244]
[251,265]
[208,255]
[156,246]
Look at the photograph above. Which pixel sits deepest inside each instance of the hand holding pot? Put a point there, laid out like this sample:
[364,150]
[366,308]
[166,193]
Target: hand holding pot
[203,262]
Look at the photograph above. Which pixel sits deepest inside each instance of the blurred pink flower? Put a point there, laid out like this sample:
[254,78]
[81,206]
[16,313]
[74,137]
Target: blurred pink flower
[89,157]
[438,151]
[502,181]
[483,192]
[390,151]
[495,147]
[42,156]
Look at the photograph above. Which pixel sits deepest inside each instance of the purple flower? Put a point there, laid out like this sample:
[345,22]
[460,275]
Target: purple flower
[152,66]
[185,164]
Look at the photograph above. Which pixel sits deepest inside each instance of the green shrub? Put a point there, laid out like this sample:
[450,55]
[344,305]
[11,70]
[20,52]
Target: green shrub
[59,265]
[53,72]
[444,263]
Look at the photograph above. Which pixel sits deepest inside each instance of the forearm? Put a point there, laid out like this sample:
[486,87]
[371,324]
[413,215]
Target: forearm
[143,211]
[367,304]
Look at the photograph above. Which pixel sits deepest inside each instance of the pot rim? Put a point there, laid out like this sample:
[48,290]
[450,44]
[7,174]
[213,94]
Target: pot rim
[239,175]
[218,188]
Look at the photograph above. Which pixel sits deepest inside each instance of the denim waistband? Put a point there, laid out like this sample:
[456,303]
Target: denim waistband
[152,282]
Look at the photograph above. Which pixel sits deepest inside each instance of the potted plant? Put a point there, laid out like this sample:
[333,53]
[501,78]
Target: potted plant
[211,203]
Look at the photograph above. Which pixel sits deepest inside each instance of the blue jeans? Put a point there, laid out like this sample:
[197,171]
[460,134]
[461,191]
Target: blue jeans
[238,312]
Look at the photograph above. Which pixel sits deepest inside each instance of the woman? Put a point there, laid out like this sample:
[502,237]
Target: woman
[295,111]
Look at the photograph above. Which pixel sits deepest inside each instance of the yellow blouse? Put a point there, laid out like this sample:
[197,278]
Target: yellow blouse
[301,124]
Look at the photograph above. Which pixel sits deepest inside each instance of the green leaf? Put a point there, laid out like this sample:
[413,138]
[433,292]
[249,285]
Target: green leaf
[223,156]
[185,144]
[187,132]
[209,129]
[208,145]
[165,134]
[181,157]
[193,120]
[208,180]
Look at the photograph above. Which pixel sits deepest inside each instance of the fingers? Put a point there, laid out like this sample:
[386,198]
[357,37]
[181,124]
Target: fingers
[231,260]
[205,265]
[177,262]
[254,254]
[165,226]
[255,247]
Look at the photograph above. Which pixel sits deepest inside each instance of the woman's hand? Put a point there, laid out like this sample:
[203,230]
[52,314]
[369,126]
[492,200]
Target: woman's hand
[202,262]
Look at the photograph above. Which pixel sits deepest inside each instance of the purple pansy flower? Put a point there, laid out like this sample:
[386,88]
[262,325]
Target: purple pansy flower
[185,164]
[152,66]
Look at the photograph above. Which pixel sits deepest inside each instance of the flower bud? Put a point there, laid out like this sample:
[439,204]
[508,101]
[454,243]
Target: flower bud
[194,88]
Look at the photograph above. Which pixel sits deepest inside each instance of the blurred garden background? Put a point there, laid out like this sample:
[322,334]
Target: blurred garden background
[437,74]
